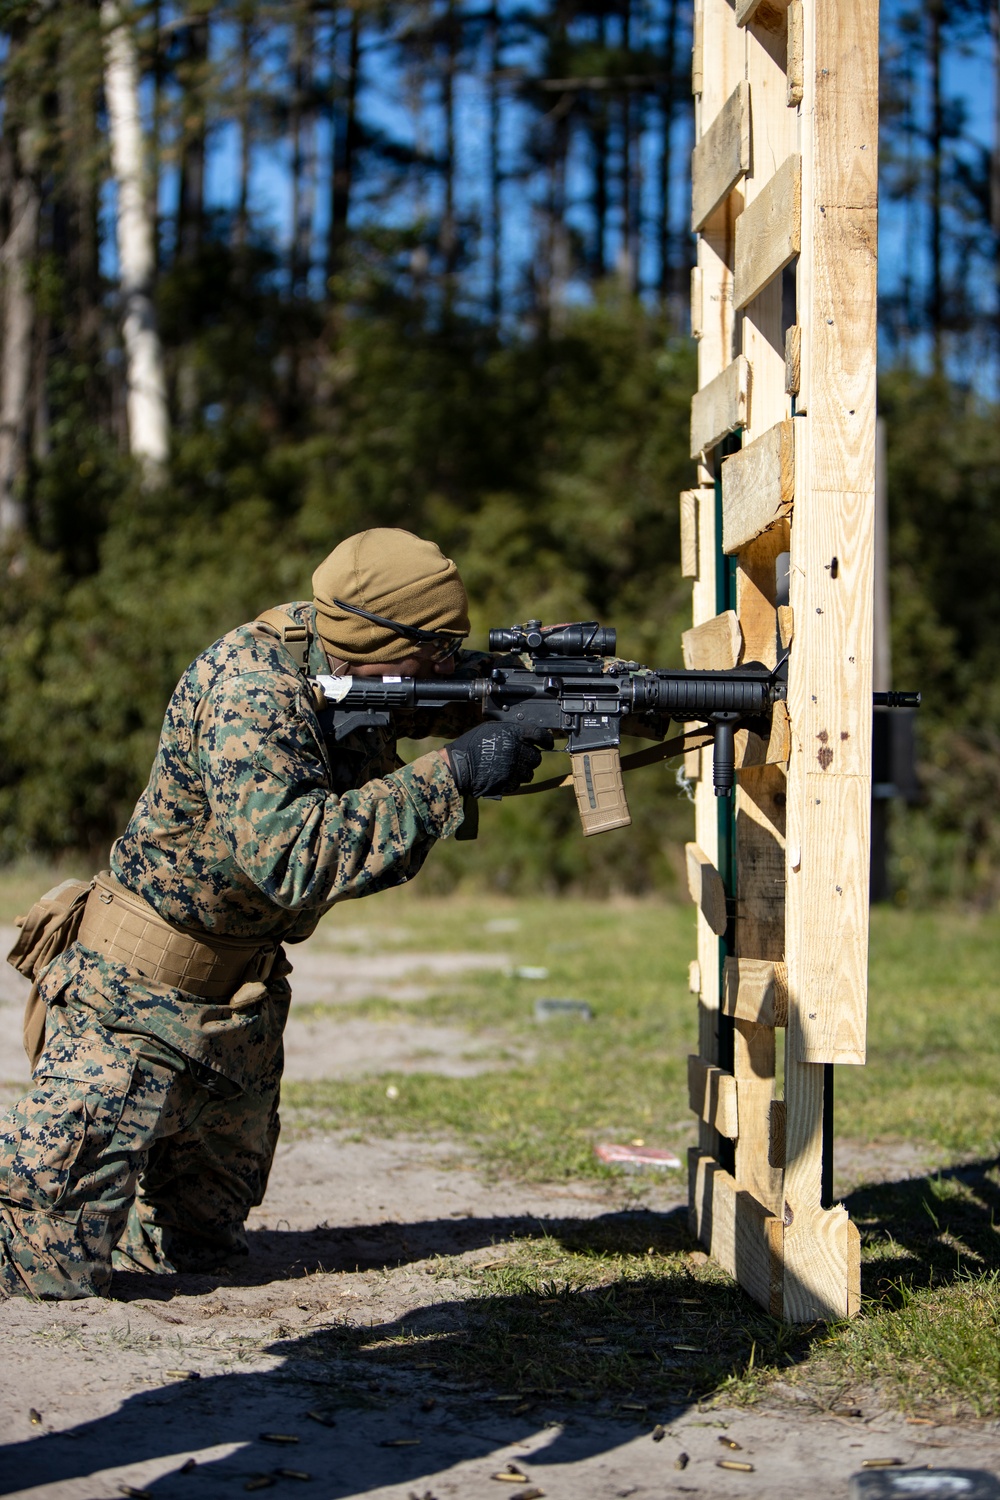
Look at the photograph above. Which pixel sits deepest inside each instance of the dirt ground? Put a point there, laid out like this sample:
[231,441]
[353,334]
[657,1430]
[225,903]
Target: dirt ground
[179,1387]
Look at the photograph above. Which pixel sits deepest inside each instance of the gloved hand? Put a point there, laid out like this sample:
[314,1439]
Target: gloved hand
[496,758]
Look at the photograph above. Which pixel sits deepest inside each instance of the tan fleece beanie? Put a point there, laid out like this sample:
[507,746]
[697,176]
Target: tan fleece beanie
[391,573]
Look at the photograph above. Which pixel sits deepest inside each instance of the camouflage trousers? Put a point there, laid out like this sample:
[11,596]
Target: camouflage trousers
[127,1155]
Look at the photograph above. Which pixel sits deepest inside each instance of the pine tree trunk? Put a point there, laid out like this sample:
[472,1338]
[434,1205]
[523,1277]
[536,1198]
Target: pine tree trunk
[495,179]
[191,207]
[667,122]
[995,154]
[344,148]
[449,229]
[148,424]
[936,298]
[17,257]
[240,221]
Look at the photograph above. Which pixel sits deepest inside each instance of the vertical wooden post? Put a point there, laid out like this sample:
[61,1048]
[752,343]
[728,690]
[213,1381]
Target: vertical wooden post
[784,187]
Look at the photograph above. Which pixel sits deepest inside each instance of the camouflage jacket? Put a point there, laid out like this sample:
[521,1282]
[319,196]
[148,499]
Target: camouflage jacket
[252,824]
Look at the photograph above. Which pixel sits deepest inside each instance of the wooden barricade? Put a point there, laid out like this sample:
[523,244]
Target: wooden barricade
[778,538]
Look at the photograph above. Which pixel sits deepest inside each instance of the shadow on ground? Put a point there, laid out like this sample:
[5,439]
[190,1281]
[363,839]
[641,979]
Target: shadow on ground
[631,1329]
[929,1230]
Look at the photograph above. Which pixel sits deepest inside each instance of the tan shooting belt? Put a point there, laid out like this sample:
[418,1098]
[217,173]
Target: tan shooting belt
[121,926]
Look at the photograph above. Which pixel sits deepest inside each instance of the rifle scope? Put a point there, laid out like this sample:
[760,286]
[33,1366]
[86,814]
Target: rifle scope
[584,639]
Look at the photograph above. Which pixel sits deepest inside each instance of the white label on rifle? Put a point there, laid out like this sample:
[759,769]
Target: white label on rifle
[335,688]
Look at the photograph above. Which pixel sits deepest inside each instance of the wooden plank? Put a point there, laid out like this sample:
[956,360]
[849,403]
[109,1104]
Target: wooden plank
[716,348]
[697,306]
[706,818]
[829,981]
[698,52]
[838,266]
[752,750]
[757,592]
[819,1249]
[786,628]
[737,1231]
[760,862]
[694,977]
[689,533]
[758,486]
[753,1069]
[712,1096]
[721,156]
[692,758]
[773,137]
[713,646]
[707,890]
[853,1270]
[756,989]
[703,589]
[768,13]
[793,359]
[820,1281]
[794,55]
[830,669]
[769,232]
[777,1131]
[720,407]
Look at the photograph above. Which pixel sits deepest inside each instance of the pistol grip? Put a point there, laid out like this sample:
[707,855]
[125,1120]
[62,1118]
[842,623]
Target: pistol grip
[600,795]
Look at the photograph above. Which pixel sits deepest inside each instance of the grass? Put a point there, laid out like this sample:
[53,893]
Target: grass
[620,1075]
[626,1311]
[934,1033]
[928,1331]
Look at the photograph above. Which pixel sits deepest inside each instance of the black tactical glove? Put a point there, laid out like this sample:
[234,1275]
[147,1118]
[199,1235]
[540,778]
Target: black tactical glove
[496,758]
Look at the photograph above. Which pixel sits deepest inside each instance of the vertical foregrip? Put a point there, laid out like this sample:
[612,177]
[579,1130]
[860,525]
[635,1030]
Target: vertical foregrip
[600,795]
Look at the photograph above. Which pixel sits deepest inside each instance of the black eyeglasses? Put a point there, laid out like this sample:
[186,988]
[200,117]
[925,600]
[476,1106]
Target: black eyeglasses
[444,642]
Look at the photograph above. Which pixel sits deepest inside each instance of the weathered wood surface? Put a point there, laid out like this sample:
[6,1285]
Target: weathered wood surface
[720,407]
[769,12]
[737,1230]
[753,1069]
[752,750]
[758,486]
[769,232]
[794,55]
[712,1096]
[697,303]
[714,645]
[830,667]
[707,890]
[756,989]
[689,532]
[793,359]
[721,156]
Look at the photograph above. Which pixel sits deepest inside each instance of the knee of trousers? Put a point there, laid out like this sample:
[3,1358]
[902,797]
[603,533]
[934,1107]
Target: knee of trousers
[71,1152]
[59,1256]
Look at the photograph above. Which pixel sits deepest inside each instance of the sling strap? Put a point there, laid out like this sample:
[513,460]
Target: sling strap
[296,638]
[648,757]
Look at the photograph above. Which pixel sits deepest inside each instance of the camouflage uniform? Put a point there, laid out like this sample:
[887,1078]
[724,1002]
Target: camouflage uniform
[150,1128]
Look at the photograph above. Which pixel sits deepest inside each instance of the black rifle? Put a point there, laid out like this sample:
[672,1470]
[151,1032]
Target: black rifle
[569,688]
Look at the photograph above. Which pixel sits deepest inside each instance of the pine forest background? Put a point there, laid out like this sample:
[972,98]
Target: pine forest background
[426,264]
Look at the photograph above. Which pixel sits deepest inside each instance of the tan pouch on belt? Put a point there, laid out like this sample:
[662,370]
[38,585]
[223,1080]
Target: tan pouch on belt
[48,929]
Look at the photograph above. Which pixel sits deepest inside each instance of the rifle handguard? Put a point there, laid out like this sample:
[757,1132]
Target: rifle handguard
[600,793]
